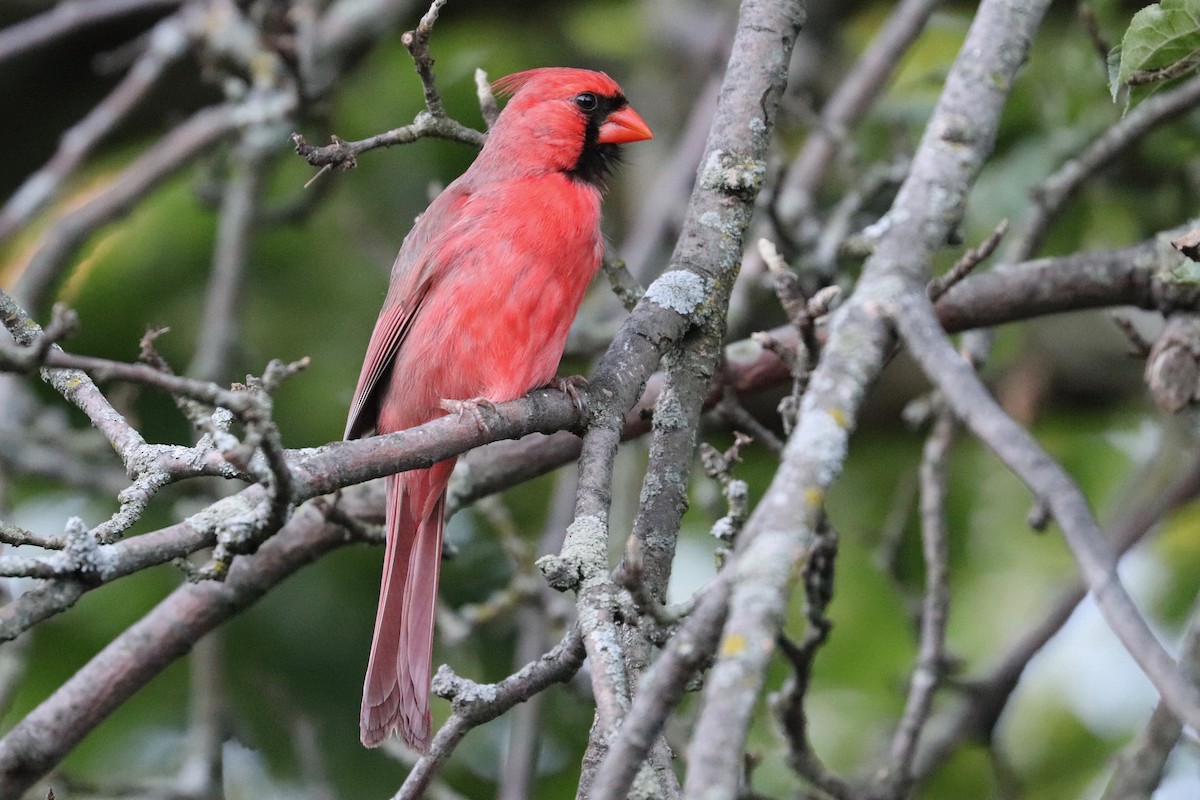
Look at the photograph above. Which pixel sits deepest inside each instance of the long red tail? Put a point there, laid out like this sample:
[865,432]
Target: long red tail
[396,690]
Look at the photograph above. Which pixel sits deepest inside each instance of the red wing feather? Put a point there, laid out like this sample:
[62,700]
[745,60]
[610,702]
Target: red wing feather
[412,276]
[390,330]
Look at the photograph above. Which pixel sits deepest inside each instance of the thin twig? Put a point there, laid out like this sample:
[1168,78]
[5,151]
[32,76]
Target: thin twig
[930,663]
[167,43]
[968,262]
[1140,766]
[475,704]
[45,735]
[534,621]
[624,285]
[987,698]
[661,691]
[487,99]
[185,143]
[344,155]
[1025,457]
[1138,346]
[739,417]
[1095,34]
[849,102]
[67,18]
[218,326]
[417,43]
[1051,196]
[1143,77]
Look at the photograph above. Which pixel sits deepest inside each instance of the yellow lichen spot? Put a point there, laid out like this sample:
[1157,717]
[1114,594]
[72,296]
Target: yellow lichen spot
[262,67]
[838,416]
[813,496]
[733,645]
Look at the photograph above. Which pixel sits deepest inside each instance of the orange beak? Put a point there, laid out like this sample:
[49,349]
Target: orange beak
[623,126]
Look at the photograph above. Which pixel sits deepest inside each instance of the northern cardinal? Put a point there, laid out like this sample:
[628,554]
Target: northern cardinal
[480,300]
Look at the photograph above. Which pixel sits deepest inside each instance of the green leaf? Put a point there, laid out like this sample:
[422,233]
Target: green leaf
[1159,37]
[1114,71]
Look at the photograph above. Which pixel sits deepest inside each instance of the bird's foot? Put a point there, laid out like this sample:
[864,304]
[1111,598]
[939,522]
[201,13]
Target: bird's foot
[477,408]
[573,387]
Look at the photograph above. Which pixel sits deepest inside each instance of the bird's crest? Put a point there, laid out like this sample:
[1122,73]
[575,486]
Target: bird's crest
[554,77]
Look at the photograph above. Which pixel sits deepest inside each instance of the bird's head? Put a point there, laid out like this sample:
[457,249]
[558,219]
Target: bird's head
[566,120]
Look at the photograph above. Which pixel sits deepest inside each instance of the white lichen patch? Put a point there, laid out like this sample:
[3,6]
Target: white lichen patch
[584,555]
[743,351]
[587,542]
[823,438]
[679,290]
[225,517]
[669,414]
[85,553]
[732,172]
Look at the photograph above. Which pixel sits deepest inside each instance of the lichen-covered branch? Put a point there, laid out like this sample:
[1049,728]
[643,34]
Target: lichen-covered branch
[779,532]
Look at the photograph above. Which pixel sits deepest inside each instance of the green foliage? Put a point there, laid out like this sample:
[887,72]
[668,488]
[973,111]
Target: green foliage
[1162,41]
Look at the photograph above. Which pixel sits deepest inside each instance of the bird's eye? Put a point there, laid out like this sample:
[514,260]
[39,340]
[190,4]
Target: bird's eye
[586,101]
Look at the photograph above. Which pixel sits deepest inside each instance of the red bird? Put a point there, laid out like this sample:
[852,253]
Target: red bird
[481,297]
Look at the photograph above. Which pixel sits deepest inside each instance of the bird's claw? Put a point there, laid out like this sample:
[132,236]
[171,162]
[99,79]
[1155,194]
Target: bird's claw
[573,387]
[476,408]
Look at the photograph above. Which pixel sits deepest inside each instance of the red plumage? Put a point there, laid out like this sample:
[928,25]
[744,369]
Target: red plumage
[481,297]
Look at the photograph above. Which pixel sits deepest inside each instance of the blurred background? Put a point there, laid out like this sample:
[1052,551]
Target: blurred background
[289,670]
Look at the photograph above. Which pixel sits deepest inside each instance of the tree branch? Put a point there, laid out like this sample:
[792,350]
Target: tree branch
[167,43]
[44,736]
[68,17]
[956,141]
[1051,485]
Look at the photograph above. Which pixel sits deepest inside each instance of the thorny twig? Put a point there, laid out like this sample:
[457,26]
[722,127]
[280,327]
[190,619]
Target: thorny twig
[788,704]
[1138,346]
[718,466]
[967,264]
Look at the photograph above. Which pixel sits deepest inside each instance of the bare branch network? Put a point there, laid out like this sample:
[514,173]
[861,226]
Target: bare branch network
[851,286]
